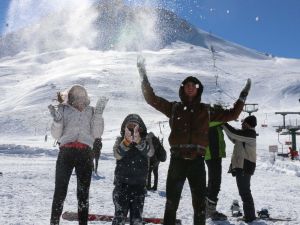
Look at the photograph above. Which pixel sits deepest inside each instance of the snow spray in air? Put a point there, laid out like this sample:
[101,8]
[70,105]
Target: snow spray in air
[39,26]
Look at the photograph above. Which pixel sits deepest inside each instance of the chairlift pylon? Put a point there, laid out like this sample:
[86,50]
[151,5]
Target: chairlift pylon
[292,131]
[250,108]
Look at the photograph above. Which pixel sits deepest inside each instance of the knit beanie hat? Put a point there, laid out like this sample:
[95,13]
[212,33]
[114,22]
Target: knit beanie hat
[251,121]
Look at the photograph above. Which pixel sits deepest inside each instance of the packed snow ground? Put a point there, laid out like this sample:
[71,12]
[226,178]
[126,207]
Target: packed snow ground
[29,82]
[27,186]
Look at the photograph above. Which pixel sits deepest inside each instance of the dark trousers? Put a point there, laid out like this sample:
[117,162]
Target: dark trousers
[82,161]
[128,198]
[214,167]
[154,170]
[194,171]
[97,154]
[243,184]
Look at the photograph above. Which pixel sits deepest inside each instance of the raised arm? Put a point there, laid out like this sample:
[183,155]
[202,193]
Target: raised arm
[157,102]
[246,136]
[98,121]
[57,124]
[119,148]
[233,113]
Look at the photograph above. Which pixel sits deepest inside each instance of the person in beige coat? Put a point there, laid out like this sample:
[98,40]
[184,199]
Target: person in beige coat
[75,125]
[243,161]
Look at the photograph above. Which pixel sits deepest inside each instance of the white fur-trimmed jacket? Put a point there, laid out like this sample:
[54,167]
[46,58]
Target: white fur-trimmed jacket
[244,151]
[74,125]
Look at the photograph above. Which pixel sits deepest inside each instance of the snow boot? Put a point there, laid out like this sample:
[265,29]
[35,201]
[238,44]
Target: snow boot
[235,209]
[211,211]
[263,213]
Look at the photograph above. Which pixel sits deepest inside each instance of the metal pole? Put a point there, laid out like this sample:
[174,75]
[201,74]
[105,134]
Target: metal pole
[294,145]
[280,143]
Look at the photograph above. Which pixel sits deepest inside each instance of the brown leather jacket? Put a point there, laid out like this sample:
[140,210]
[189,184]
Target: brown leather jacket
[189,122]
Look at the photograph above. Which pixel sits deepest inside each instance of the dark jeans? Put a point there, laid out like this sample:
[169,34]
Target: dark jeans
[179,171]
[243,184]
[214,167]
[97,146]
[82,161]
[97,154]
[128,198]
[154,170]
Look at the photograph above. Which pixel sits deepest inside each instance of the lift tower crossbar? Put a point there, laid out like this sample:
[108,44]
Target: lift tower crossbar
[292,130]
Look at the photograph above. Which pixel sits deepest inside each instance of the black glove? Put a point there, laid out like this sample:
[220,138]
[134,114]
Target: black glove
[245,91]
[142,69]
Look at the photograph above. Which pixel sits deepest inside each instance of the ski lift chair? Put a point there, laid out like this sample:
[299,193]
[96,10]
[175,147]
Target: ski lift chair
[288,143]
[282,154]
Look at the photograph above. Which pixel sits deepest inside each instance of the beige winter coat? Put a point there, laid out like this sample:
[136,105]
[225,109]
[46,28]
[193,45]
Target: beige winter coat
[83,126]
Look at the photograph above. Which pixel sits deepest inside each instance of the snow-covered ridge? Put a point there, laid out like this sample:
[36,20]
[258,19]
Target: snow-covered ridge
[112,25]
[23,150]
[30,81]
[16,150]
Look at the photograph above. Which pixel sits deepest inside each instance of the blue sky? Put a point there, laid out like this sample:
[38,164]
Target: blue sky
[270,26]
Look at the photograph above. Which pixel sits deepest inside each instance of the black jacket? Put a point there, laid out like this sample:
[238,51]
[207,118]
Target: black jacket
[132,162]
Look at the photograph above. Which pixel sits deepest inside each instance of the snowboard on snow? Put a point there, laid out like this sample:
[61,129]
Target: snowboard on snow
[72,216]
[268,219]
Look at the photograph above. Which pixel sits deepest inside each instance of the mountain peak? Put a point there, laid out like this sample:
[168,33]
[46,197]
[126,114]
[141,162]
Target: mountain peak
[112,25]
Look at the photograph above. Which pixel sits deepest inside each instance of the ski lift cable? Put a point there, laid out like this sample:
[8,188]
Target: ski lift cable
[228,95]
[228,73]
[216,68]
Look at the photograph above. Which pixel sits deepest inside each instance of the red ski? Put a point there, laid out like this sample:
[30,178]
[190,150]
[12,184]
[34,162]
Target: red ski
[72,216]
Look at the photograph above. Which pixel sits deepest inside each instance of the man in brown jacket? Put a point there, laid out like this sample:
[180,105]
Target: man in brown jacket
[189,123]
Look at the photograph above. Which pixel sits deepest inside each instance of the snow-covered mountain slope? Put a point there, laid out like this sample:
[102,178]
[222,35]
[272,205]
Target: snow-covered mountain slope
[29,82]
[38,63]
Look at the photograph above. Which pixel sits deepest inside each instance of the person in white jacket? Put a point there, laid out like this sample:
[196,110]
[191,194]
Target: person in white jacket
[243,161]
[75,125]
